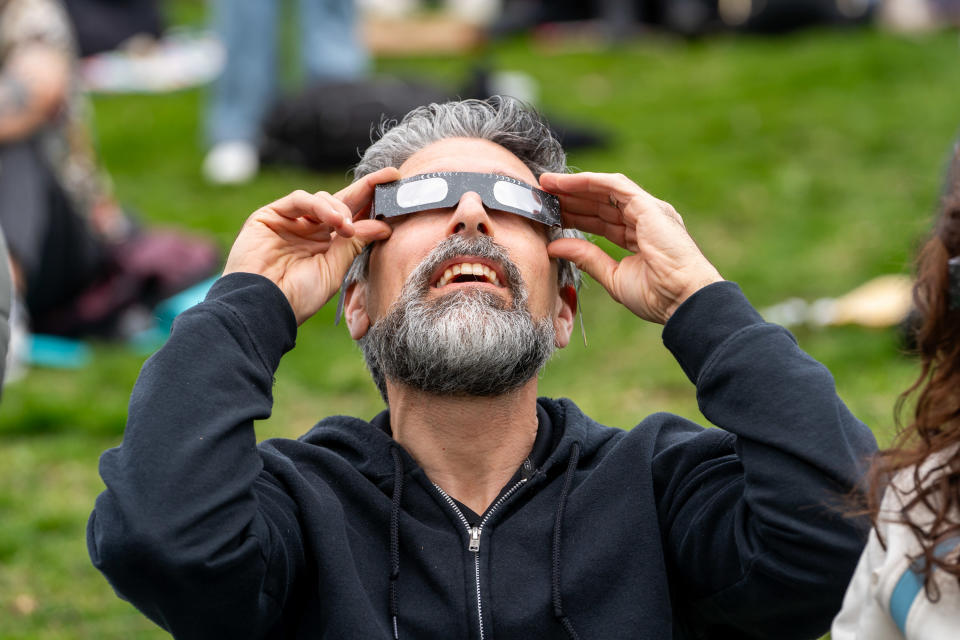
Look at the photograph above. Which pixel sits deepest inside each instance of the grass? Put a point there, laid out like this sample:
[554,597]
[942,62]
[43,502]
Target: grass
[803,166]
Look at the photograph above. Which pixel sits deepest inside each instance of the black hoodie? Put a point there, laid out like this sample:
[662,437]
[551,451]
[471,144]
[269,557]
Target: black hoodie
[667,530]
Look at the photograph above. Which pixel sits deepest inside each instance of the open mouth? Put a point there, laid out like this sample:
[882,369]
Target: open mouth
[465,270]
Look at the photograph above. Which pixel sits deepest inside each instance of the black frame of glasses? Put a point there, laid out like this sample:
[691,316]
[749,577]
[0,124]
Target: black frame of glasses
[459,182]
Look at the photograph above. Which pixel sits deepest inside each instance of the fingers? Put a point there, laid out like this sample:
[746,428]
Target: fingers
[611,196]
[336,212]
[319,208]
[615,233]
[372,230]
[358,196]
[611,205]
[591,206]
[588,257]
[600,185]
[344,250]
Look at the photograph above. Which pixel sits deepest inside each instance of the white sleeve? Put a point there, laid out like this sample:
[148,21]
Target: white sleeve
[864,615]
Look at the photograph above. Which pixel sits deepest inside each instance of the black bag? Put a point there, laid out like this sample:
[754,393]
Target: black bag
[326,126]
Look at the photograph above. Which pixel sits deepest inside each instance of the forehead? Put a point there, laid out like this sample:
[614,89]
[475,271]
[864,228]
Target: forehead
[466,154]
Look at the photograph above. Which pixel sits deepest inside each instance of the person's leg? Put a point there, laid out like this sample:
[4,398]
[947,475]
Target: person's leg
[330,44]
[53,251]
[244,90]
[242,93]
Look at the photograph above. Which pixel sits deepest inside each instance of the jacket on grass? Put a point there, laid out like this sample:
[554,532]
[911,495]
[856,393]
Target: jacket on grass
[666,530]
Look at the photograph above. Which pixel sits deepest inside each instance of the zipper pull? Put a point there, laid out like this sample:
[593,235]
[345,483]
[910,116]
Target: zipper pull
[474,540]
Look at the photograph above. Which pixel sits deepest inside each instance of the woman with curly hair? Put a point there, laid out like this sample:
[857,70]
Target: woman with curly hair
[907,584]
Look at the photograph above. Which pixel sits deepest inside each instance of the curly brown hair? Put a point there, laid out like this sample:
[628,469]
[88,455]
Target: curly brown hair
[927,450]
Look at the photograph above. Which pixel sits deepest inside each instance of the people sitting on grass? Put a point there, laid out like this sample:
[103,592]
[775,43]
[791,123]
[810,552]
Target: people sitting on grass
[76,258]
[907,584]
[470,507]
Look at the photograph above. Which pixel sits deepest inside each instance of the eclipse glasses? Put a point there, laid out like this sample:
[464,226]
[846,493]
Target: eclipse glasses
[444,189]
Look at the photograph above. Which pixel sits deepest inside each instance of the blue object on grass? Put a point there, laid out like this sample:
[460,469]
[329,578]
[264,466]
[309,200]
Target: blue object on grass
[57,352]
[173,306]
[152,338]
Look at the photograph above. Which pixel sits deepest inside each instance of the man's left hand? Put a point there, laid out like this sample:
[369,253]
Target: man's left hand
[666,266]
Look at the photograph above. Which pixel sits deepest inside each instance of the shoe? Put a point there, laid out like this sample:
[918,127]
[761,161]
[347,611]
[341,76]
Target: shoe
[233,162]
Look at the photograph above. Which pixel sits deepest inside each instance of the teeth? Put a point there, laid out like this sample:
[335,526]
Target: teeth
[470,269]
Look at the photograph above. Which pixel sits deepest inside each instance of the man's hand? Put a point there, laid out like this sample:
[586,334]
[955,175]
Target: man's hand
[666,267]
[305,242]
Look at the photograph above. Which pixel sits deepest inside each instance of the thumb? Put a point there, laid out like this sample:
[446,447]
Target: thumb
[344,250]
[588,257]
[368,231]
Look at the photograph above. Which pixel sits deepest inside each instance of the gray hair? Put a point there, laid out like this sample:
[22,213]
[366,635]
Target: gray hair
[512,124]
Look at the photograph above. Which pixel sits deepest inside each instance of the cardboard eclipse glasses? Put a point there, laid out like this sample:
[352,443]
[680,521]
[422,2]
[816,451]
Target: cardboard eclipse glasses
[444,189]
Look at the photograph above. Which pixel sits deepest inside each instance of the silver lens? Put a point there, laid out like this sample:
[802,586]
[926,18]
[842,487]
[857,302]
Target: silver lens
[517,197]
[421,192]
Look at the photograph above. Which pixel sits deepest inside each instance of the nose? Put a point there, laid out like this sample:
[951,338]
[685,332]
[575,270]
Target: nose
[470,217]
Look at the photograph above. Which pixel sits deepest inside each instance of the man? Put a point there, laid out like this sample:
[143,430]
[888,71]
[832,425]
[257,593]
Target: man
[470,508]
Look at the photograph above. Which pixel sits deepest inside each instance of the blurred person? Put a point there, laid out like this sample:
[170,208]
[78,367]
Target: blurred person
[78,262]
[471,508]
[907,584]
[330,50]
[54,208]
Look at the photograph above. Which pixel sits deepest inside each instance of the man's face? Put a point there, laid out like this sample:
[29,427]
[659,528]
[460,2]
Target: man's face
[416,235]
[422,324]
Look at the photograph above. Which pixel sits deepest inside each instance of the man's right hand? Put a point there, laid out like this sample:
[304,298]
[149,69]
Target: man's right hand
[305,242]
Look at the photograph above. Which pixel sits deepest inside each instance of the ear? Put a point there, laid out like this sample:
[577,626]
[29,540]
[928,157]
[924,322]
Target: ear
[566,312]
[355,310]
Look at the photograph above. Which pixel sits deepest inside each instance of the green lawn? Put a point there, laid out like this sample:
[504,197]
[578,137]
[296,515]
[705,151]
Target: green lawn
[802,165]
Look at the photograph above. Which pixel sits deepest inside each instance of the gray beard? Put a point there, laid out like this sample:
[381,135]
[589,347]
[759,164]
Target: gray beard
[468,342]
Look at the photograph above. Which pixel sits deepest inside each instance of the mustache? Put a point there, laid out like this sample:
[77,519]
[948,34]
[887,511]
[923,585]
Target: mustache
[455,246]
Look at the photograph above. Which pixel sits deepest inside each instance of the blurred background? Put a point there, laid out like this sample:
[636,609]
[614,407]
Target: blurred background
[804,143]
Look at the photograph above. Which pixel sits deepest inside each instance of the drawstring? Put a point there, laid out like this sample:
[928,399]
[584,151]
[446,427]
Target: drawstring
[395,541]
[557,600]
[395,537]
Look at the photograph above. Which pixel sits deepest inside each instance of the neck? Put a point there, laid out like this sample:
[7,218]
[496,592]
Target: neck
[470,447]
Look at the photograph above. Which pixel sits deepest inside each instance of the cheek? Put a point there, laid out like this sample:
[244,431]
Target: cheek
[535,254]
[391,263]
[540,275]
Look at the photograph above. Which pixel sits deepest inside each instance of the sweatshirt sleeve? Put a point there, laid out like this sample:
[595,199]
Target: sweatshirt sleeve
[189,528]
[754,523]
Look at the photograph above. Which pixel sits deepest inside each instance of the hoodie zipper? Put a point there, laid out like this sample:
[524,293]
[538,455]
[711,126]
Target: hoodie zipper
[474,537]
